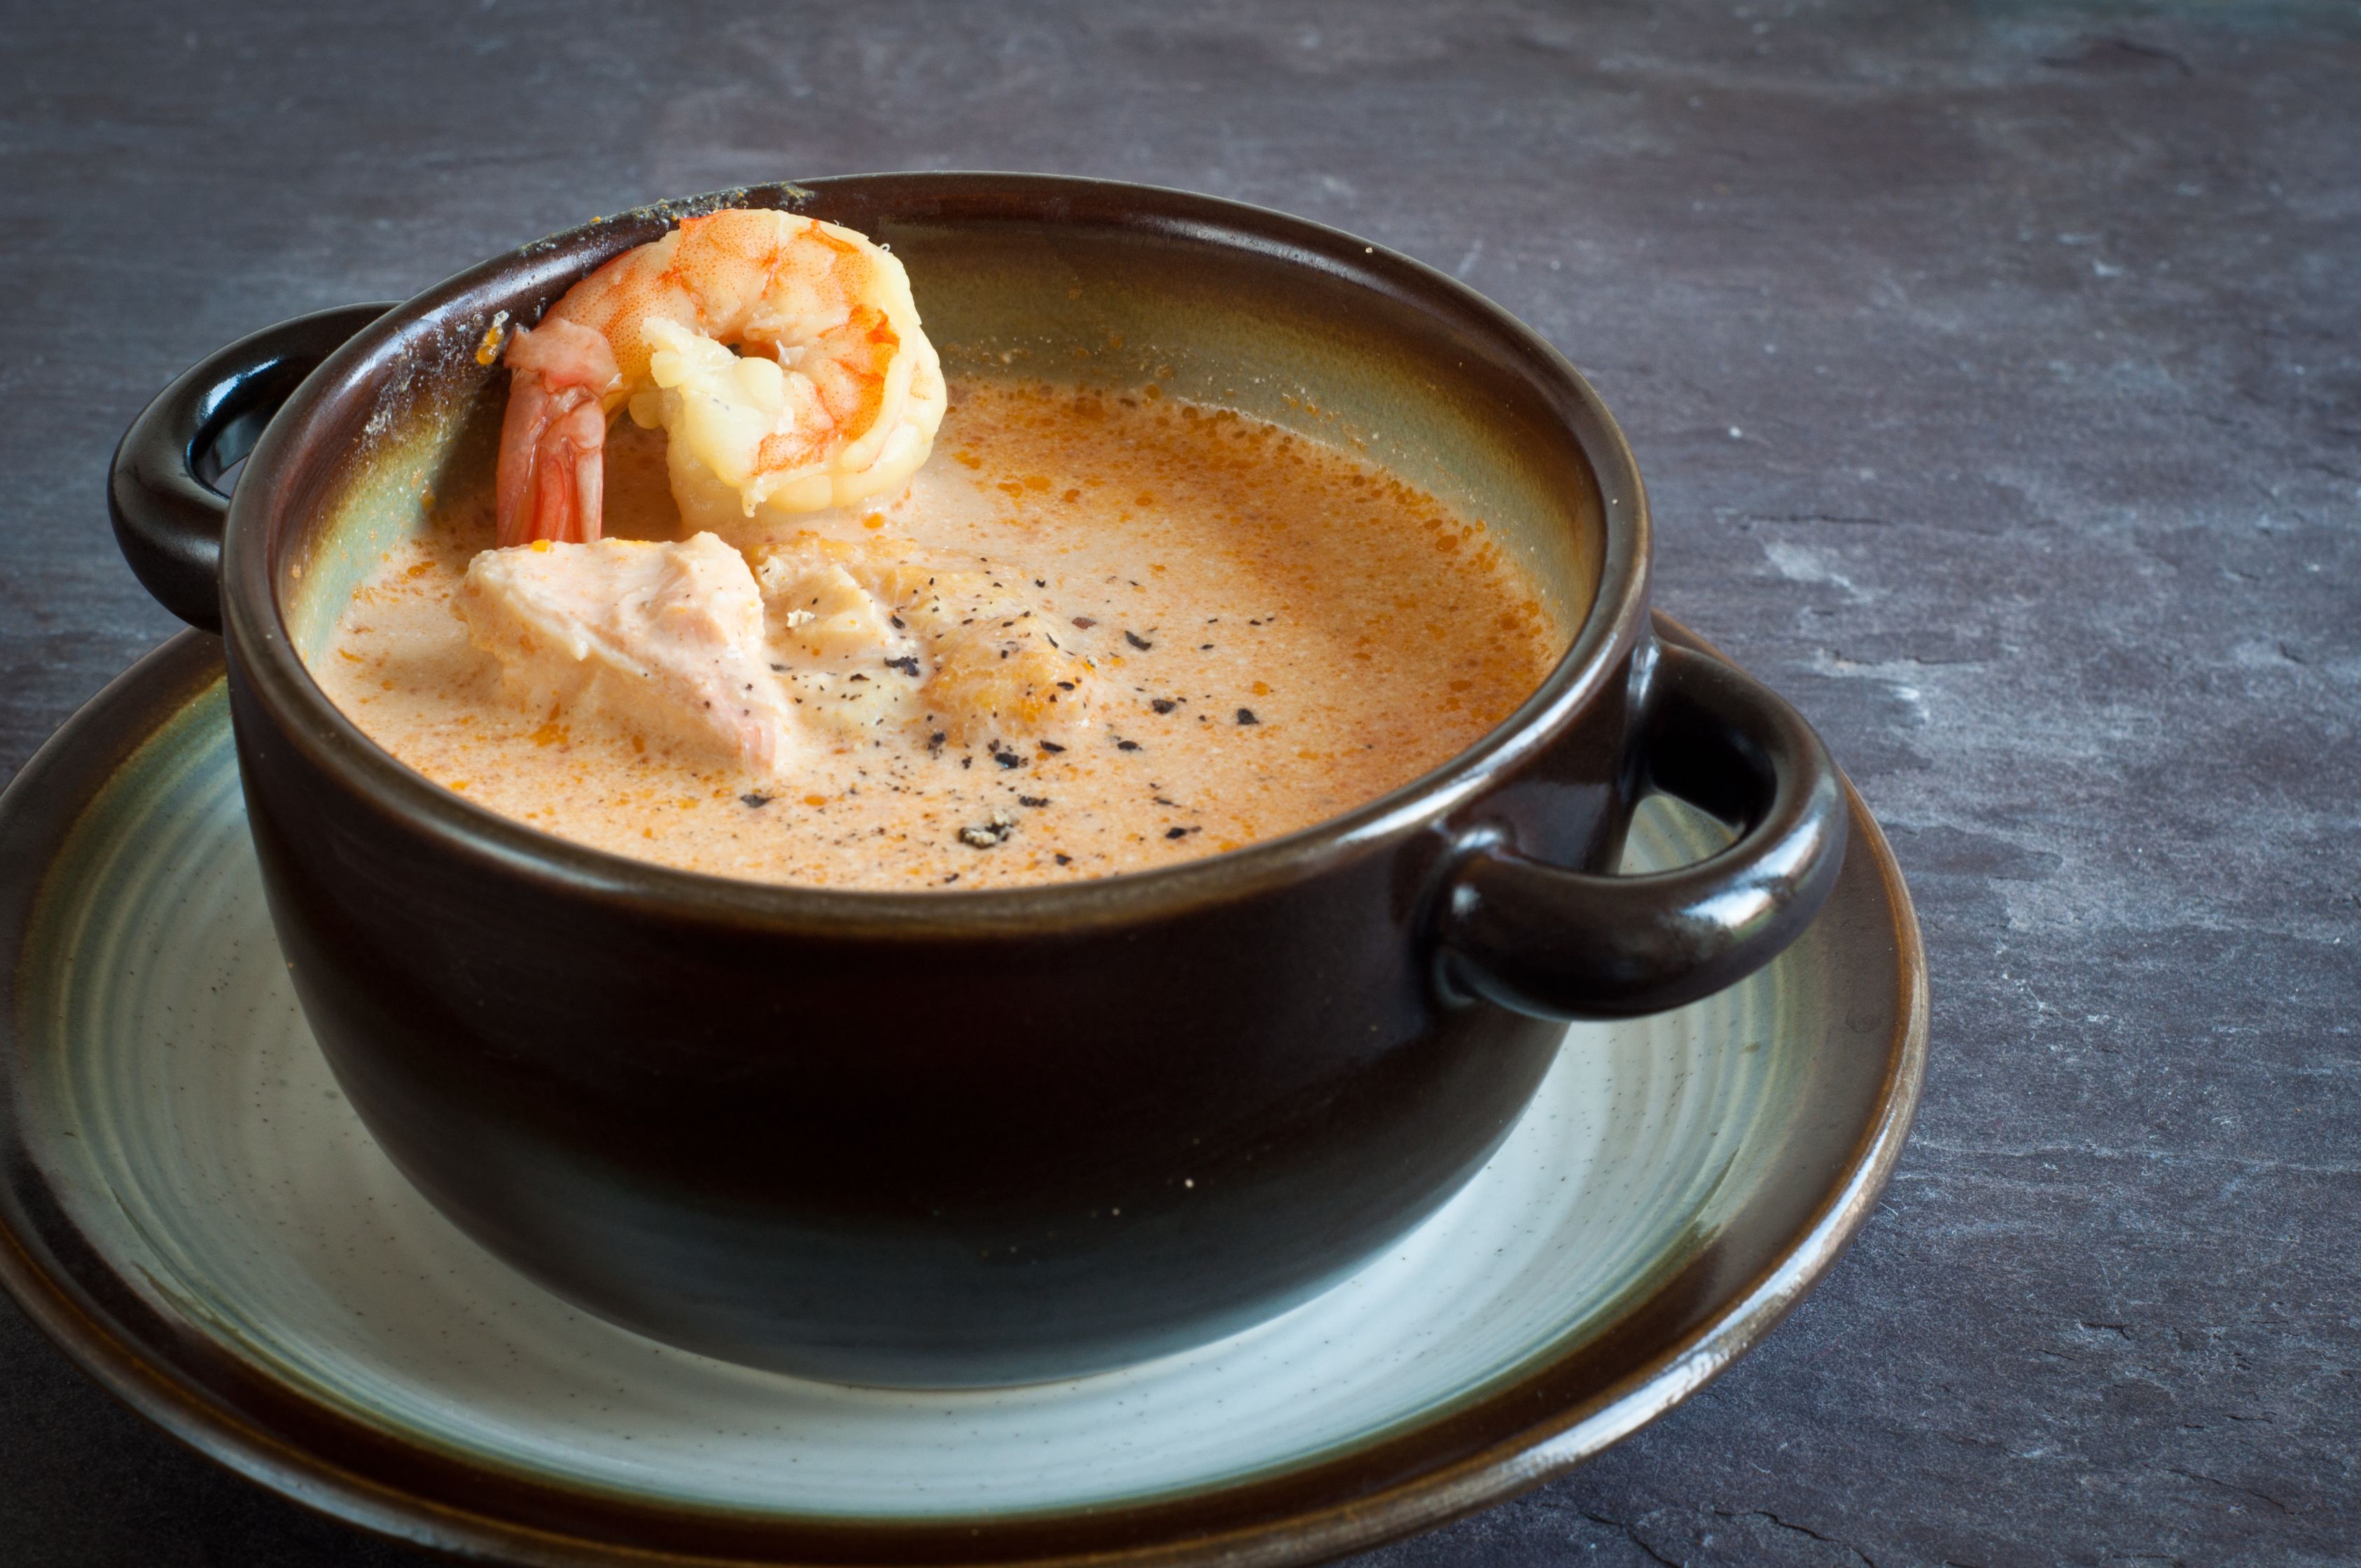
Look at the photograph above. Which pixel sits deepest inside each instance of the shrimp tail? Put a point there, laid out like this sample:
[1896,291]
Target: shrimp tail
[551,481]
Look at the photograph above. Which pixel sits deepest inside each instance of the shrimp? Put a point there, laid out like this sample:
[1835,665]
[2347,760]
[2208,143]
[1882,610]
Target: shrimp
[833,392]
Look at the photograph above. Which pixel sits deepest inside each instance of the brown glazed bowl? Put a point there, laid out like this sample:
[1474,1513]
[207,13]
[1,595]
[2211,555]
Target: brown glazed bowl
[957,1138]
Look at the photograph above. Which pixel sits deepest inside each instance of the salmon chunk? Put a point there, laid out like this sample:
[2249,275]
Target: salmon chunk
[664,639]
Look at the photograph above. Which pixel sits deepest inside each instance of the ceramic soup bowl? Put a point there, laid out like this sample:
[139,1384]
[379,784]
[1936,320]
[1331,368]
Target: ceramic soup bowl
[968,1137]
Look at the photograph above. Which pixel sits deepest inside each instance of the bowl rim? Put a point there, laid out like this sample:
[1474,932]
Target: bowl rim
[262,655]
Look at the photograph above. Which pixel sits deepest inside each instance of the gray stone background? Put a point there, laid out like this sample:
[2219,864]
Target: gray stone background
[1995,371]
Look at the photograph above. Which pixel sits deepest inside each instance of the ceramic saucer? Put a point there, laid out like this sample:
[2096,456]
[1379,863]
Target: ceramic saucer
[194,1213]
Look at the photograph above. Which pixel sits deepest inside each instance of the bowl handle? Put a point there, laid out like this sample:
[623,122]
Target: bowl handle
[160,489]
[1569,944]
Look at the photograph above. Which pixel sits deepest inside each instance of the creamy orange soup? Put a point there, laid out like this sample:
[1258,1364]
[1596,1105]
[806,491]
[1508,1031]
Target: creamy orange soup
[1273,632]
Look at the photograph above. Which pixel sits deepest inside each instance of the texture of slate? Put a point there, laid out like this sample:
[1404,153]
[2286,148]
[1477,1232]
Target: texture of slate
[1995,371]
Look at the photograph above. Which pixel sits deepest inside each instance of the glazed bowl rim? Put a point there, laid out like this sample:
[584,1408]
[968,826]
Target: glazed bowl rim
[261,648]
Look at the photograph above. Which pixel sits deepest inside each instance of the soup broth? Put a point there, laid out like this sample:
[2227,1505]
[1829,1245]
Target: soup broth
[1244,632]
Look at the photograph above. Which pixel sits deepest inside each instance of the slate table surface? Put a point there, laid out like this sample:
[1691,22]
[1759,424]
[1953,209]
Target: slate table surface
[1994,373]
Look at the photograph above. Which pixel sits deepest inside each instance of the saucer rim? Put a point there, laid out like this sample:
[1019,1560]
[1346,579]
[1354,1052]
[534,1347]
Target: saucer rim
[208,1398]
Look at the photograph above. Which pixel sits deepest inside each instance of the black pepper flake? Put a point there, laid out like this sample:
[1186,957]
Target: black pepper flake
[1039,583]
[1035,801]
[1246,716]
[907,664]
[1065,685]
[1050,746]
[1136,641]
[1177,832]
[1126,745]
[1161,801]
[1063,859]
[850,679]
[935,741]
[755,799]
[778,666]
[1162,704]
[989,835]
[1006,759]
[1204,647]
[967,761]
[1084,622]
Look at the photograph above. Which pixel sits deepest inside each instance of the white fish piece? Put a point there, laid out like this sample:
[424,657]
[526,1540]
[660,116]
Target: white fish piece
[975,658]
[666,640]
[848,662]
[822,612]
